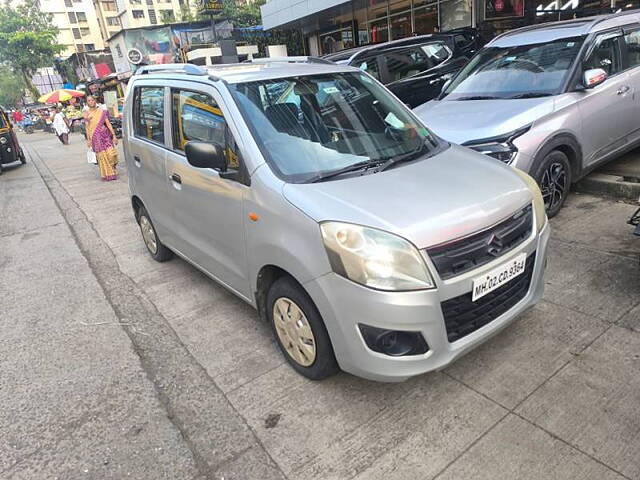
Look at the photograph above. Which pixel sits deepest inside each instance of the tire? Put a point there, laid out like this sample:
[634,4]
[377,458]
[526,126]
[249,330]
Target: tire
[553,175]
[155,247]
[1,169]
[23,159]
[287,294]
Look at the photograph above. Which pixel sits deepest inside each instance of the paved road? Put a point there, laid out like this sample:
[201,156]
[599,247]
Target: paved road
[114,366]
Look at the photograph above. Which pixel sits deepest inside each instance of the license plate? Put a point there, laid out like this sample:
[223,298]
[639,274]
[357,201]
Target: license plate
[497,277]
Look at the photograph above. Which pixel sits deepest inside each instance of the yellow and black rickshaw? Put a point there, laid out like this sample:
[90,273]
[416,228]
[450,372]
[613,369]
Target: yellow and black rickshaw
[10,150]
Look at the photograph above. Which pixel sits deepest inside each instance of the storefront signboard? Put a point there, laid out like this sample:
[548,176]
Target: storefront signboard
[210,7]
[497,9]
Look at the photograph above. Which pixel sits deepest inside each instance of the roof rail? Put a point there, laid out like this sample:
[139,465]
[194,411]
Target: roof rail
[299,59]
[188,68]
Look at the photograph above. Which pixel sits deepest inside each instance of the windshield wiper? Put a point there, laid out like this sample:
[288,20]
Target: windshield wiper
[349,168]
[406,157]
[478,97]
[532,95]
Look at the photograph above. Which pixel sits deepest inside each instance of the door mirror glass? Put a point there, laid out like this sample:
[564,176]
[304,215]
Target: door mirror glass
[206,155]
[594,77]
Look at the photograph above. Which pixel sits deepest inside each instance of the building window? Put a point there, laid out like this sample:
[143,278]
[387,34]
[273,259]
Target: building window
[89,47]
[137,13]
[82,17]
[76,33]
[109,6]
[72,17]
[68,3]
[119,51]
[152,17]
[150,2]
[113,21]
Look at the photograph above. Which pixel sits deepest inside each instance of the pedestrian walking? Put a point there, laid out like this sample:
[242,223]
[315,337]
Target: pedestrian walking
[101,139]
[61,126]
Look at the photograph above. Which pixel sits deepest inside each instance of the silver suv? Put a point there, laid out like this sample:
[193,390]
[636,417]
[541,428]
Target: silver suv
[555,100]
[316,196]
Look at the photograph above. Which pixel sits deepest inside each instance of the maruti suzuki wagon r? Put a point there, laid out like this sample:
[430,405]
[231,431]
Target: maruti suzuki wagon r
[311,192]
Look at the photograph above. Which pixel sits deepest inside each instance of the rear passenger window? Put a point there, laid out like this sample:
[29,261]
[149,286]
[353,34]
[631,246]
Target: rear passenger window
[196,116]
[149,113]
[632,42]
[412,61]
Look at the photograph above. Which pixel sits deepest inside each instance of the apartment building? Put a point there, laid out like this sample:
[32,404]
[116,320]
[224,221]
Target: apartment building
[145,13]
[108,18]
[78,24]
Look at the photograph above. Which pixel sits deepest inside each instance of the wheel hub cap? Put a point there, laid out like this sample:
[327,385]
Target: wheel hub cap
[148,234]
[553,185]
[294,331]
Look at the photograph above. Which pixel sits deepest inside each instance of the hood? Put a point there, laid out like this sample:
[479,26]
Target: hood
[463,121]
[450,195]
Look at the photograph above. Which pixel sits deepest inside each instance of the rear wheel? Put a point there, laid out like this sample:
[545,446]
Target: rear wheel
[22,158]
[300,331]
[158,251]
[554,177]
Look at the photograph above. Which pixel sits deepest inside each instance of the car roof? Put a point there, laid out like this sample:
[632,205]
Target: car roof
[246,72]
[547,32]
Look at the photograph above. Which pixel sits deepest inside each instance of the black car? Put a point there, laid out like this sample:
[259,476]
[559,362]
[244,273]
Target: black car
[415,68]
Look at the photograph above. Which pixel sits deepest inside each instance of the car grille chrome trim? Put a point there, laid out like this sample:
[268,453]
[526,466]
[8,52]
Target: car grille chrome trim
[469,253]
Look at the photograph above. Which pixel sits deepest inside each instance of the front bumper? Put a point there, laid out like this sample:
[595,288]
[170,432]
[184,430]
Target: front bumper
[344,304]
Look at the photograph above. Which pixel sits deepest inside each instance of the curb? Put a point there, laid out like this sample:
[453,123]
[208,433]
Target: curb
[609,186]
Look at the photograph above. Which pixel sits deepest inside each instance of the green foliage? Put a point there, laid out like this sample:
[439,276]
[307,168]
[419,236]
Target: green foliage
[242,15]
[28,39]
[11,88]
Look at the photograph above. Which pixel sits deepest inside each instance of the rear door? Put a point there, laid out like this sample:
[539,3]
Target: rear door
[146,152]
[207,208]
[631,51]
[607,111]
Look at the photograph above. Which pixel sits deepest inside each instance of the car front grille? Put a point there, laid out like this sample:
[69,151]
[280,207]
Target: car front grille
[471,252]
[463,316]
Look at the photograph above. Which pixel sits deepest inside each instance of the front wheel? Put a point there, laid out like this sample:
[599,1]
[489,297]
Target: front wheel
[22,158]
[554,177]
[156,248]
[300,331]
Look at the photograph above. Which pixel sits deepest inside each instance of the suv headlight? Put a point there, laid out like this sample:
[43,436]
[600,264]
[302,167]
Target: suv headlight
[539,209]
[374,258]
[501,148]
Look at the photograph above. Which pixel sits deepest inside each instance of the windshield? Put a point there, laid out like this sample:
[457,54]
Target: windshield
[310,126]
[523,71]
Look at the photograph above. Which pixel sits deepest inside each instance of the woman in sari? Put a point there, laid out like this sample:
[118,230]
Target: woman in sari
[101,139]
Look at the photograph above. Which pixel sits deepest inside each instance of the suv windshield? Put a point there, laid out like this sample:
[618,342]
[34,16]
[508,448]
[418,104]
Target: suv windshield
[312,127]
[523,71]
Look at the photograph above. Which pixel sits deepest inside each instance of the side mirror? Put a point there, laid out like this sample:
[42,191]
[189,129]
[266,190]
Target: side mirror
[206,155]
[594,77]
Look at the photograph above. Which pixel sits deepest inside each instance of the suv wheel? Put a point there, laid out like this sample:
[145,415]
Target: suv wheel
[300,331]
[158,251]
[554,177]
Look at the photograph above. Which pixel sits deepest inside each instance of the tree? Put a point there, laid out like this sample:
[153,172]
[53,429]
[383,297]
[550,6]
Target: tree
[244,15]
[28,40]
[11,88]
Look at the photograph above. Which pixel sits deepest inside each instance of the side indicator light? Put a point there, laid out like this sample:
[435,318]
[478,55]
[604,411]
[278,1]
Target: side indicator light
[253,217]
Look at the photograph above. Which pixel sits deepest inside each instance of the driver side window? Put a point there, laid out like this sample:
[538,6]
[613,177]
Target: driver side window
[606,56]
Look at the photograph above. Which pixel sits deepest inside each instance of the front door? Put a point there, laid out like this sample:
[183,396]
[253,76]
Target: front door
[208,213]
[607,111]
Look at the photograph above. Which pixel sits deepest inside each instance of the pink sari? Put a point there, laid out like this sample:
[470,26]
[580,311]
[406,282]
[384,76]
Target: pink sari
[102,143]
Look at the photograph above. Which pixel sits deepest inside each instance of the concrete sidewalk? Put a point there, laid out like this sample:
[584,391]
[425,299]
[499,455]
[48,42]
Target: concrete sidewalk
[554,396]
[617,179]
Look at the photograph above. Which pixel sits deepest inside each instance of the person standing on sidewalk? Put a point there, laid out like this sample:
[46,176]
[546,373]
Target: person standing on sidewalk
[61,126]
[102,139]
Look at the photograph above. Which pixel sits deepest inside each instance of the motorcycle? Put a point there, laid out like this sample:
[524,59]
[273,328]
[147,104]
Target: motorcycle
[28,125]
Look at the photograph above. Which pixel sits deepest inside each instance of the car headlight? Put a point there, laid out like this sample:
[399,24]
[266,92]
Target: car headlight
[539,209]
[501,148]
[3,140]
[505,152]
[374,258]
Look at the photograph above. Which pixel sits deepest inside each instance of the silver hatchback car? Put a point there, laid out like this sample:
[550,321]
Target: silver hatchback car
[555,100]
[313,194]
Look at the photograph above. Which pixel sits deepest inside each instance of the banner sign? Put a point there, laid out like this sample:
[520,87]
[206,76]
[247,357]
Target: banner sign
[210,7]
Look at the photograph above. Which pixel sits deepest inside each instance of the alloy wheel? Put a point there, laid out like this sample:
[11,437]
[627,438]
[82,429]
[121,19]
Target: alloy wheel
[294,331]
[148,234]
[553,185]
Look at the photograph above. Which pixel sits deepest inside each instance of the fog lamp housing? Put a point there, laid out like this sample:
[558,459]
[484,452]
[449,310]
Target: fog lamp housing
[395,343]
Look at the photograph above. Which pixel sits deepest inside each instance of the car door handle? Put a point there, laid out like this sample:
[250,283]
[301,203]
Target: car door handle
[176,178]
[622,90]
[136,160]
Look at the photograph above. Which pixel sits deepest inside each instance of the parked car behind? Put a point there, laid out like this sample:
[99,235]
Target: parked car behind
[366,242]
[415,68]
[555,100]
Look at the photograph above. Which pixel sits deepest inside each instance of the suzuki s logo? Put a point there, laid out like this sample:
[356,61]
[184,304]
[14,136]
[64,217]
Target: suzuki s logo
[494,246]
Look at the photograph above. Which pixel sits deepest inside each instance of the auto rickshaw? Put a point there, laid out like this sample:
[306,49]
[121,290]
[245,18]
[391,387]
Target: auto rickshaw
[10,150]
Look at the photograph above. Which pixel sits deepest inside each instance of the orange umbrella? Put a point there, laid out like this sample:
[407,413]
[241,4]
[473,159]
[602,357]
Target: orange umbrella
[61,95]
